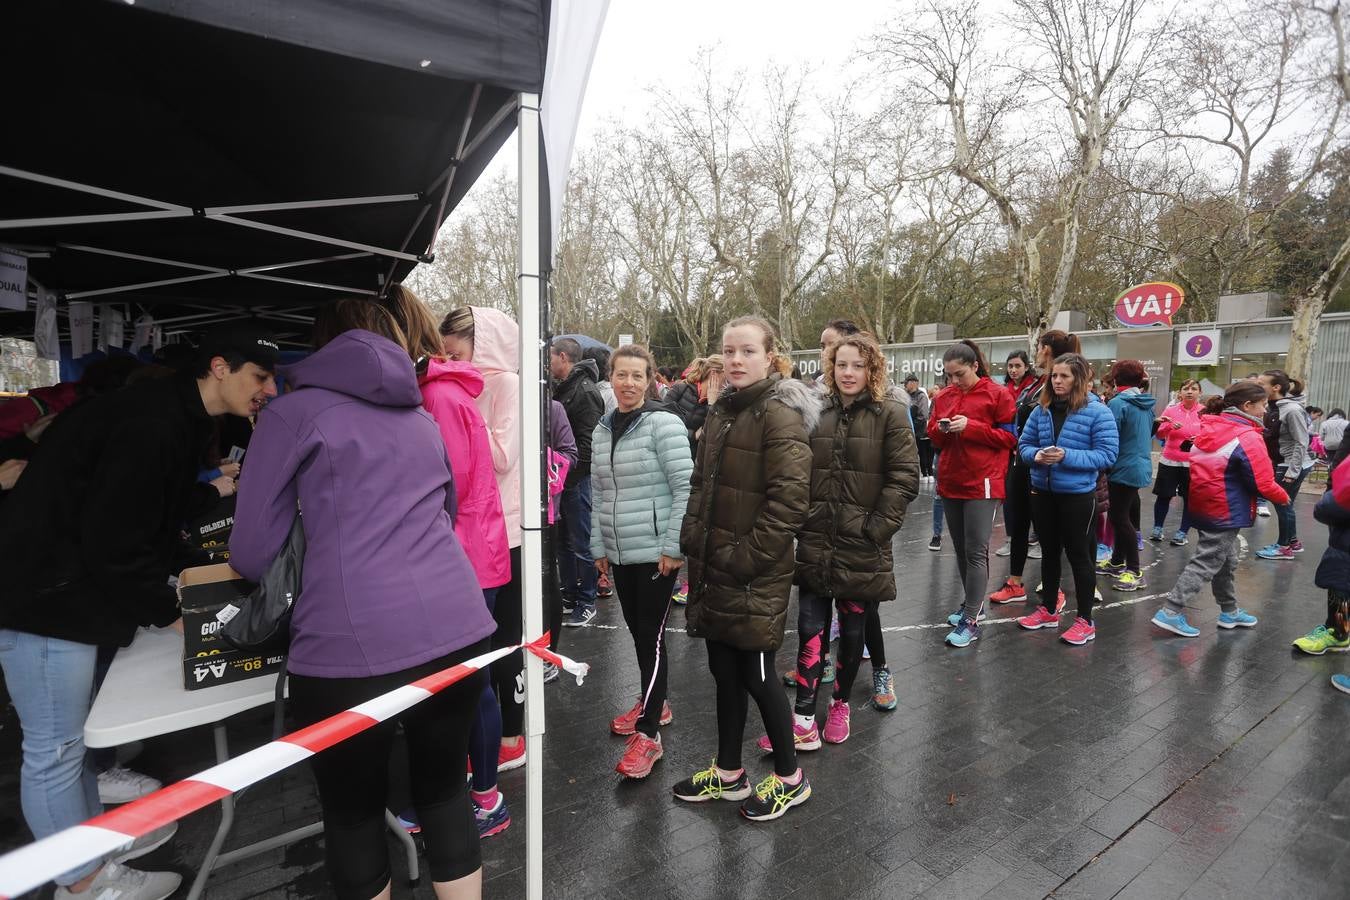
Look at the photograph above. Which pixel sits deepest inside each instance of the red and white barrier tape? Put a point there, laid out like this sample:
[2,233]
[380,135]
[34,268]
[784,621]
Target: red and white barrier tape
[32,866]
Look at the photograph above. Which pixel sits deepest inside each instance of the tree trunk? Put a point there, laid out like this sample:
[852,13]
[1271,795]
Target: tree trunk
[1308,314]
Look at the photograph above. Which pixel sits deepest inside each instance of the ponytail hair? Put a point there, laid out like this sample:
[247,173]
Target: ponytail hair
[968,353]
[1288,386]
[1060,343]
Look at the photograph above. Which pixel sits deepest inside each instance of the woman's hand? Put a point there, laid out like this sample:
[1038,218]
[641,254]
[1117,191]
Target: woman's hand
[34,430]
[229,469]
[669,565]
[1048,456]
[602,566]
[10,470]
[956,424]
[224,485]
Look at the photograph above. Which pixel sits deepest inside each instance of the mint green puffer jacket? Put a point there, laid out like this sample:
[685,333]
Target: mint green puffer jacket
[639,488]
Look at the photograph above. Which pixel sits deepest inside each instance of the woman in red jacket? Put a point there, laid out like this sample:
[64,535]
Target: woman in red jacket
[972,425]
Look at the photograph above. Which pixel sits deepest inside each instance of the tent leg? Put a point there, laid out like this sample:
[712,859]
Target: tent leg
[530,286]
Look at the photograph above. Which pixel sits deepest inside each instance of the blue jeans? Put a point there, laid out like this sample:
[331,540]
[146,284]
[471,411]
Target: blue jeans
[1285,515]
[937,504]
[576,569]
[51,682]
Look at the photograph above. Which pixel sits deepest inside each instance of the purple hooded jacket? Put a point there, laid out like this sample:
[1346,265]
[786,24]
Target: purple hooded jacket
[387,585]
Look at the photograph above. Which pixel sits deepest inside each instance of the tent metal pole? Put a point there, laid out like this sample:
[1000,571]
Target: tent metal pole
[309,204]
[311,236]
[532,385]
[120,254]
[455,163]
[77,295]
[341,288]
[272,267]
[94,219]
[23,175]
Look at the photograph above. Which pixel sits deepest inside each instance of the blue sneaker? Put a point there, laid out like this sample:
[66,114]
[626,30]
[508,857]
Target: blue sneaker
[1341,683]
[1103,552]
[491,821]
[1275,551]
[1175,623]
[1179,539]
[1157,534]
[1139,539]
[1237,619]
[965,633]
[580,616]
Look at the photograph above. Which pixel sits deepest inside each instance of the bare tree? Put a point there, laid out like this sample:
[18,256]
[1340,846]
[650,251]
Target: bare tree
[1090,61]
[1309,306]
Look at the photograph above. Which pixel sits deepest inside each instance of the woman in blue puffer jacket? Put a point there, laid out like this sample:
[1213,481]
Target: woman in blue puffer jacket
[640,469]
[1069,438]
[1133,411]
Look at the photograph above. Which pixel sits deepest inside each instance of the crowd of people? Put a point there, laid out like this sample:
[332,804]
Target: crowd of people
[397,445]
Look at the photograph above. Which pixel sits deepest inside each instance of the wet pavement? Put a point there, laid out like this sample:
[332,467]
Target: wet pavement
[1140,766]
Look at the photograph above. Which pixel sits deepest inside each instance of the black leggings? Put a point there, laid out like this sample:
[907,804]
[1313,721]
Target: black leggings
[508,673]
[1124,518]
[876,643]
[644,596]
[1064,523]
[353,776]
[739,675]
[1017,514]
[925,456]
[813,618]
[553,599]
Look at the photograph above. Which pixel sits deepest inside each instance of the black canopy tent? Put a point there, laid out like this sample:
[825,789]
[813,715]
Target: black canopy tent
[201,160]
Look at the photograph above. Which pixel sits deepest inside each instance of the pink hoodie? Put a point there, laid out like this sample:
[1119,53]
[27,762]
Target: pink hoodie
[496,353]
[1183,425]
[449,391]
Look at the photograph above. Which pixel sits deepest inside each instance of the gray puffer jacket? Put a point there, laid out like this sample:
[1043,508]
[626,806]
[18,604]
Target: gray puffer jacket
[639,488]
[1294,438]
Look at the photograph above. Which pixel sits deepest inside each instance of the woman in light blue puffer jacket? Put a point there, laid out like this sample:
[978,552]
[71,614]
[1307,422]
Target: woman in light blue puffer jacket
[640,470]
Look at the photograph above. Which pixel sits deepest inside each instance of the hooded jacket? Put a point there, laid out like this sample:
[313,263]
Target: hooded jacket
[1182,425]
[1090,442]
[386,585]
[1294,436]
[639,488]
[580,396]
[1133,412]
[89,534]
[449,389]
[748,499]
[864,473]
[1229,467]
[496,353]
[974,462]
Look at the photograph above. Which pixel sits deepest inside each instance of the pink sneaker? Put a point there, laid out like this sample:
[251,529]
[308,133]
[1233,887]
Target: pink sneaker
[1008,593]
[1079,633]
[836,723]
[1059,603]
[626,723]
[1040,618]
[803,738]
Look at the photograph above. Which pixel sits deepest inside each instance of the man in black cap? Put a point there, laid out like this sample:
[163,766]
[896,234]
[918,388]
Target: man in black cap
[87,543]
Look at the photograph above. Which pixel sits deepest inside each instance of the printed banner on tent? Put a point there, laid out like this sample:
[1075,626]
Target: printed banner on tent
[144,334]
[13,281]
[1198,348]
[111,328]
[45,334]
[81,316]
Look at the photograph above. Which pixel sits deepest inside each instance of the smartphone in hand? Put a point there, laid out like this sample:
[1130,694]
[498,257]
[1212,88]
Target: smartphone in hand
[944,424]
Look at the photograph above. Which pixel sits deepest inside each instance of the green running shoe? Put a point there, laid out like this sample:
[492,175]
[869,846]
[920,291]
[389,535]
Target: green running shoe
[773,797]
[1320,640]
[708,785]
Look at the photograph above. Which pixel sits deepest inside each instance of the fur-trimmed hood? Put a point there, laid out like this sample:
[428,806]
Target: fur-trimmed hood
[804,398]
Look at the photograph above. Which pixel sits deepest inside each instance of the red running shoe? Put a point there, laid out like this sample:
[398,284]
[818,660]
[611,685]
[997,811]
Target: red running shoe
[1040,618]
[1059,603]
[641,755]
[1008,593]
[627,722]
[511,757]
[1079,633]
[604,588]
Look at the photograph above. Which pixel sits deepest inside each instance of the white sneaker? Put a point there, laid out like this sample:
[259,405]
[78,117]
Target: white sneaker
[147,842]
[1263,511]
[1034,551]
[117,882]
[1005,550]
[119,785]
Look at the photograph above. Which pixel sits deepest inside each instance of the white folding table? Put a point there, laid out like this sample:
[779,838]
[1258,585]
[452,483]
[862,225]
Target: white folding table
[143,697]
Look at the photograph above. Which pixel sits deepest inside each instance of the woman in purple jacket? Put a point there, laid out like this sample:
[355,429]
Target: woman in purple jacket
[388,595]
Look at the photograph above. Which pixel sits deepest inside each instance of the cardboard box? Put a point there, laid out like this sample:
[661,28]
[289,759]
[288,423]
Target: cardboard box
[210,531]
[207,659]
[202,592]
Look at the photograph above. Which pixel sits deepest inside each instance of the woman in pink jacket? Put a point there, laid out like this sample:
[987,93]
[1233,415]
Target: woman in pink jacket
[1179,423]
[449,391]
[490,340]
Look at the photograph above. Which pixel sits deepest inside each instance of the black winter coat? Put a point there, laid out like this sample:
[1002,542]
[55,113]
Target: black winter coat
[89,535]
[579,394]
[864,473]
[682,399]
[749,496]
